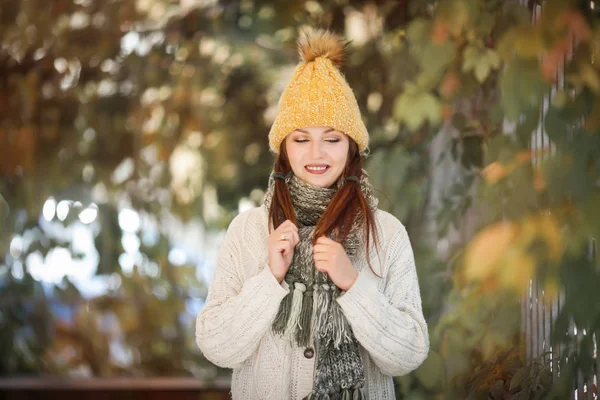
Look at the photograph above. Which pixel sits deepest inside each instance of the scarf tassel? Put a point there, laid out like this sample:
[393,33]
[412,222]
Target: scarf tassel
[320,313]
[283,314]
[341,328]
[293,321]
[346,394]
[303,334]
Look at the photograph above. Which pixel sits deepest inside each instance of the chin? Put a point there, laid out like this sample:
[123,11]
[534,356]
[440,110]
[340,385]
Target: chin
[315,181]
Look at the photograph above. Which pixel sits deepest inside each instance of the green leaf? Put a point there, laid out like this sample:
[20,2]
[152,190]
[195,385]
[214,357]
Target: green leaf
[518,378]
[432,371]
[415,109]
[482,70]
[418,33]
[521,86]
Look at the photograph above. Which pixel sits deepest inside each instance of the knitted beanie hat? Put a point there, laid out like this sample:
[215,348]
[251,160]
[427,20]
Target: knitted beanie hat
[318,94]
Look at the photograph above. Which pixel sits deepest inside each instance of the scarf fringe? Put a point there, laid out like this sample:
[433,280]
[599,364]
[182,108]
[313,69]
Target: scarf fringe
[283,314]
[340,326]
[321,311]
[303,334]
[293,321]
[314,320]
[345,394]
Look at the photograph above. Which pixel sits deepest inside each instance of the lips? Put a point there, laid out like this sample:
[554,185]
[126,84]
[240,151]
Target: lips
[318,171]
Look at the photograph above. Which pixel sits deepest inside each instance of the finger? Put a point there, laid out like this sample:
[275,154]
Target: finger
[284,245]
[289,235]
[292,236]
[320,249]
[321,266]
[320,257]
[290,224]
[325,240]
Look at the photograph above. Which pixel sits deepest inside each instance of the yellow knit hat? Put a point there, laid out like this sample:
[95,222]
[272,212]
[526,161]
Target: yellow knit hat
[318,94]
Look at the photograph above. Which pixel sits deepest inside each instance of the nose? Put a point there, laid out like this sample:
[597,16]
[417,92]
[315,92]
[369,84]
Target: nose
[316,148]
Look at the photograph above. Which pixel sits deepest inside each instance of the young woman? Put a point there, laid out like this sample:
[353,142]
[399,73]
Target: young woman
[315,294]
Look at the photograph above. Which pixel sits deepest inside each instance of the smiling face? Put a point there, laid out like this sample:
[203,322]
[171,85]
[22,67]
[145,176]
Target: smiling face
[317,155]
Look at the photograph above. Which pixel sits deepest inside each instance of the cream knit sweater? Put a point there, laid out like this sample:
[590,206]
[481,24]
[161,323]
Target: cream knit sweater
[233,330]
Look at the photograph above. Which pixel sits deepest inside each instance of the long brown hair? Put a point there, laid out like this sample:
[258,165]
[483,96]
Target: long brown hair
[340,212]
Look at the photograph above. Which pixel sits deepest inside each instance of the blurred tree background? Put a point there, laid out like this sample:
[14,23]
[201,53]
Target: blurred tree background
[133,131]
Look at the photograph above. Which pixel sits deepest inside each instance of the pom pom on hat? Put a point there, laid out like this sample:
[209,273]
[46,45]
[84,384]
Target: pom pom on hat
[318,94]
[321,43]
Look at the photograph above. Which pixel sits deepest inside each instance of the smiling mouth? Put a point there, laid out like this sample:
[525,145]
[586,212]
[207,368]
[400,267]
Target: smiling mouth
[317,169]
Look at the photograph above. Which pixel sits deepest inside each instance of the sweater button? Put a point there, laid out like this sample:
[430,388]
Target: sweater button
[309,352]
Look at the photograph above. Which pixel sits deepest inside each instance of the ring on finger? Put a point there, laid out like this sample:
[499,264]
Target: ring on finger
[283,236]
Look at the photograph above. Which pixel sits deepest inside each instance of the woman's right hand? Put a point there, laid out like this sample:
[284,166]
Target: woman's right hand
[281,251]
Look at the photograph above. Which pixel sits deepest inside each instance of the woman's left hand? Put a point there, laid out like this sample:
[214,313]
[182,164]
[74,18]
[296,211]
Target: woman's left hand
[330,257]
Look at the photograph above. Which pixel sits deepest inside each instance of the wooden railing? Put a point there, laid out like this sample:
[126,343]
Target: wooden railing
[539,312]
[114,388]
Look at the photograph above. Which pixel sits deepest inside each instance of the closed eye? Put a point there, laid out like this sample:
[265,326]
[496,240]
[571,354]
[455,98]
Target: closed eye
[330,140]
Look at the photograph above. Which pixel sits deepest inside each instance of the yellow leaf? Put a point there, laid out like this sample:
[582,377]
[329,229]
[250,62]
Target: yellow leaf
[517,269]
[528,42]
[550,290]
[550,230]
[494,172]
[487,249]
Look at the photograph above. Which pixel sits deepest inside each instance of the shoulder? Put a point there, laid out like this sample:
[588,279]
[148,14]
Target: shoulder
[393,234]
[388,224]
[255,218]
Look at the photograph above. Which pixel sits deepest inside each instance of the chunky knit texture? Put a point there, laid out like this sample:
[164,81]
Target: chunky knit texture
[234,329]
[309,315]
[318,94]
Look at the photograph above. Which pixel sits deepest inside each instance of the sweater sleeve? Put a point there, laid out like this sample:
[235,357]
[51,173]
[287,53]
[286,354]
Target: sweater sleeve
[237,312]
[389,324]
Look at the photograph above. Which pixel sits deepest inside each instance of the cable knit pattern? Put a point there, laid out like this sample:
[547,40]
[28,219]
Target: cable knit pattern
[233,328]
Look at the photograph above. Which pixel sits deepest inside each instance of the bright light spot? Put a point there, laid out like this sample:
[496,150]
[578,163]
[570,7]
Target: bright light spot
[89,215]
[126,263]
[129,220]
[79,20]
[35,265]
[107,87]
[177,257]
[130,242]
[89,134]
[129,42]
[211,203]
[49,209]
[245,204]
[61,65]
[16,246]
[207,46]
[152,269]
[152,124]
[374,102]
[120,354]
[114,281]
[123,171]
[109,66]
[62,210]
[88,173]
[17,270]
[160,292]
[99,193]
[186,167]
[150,237]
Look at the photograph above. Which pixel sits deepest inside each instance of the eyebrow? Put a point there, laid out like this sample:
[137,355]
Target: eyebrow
[326,131]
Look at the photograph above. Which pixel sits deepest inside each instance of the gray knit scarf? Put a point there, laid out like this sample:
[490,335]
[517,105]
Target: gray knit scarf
[309,314]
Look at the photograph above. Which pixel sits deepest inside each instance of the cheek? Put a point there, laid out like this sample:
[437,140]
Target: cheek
[293,154]
[341,156]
